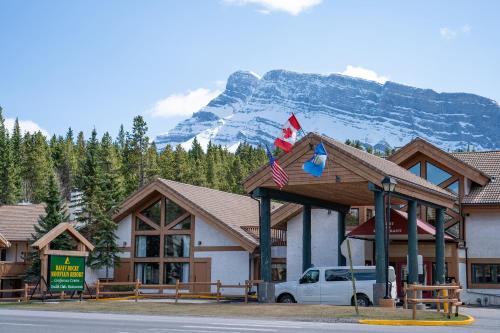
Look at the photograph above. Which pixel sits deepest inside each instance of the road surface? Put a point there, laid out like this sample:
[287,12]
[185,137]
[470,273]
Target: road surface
[23,321]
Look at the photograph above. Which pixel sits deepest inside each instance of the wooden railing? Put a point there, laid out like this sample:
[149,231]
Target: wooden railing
[23,294]
[446,294]
[180,290]
[11,268]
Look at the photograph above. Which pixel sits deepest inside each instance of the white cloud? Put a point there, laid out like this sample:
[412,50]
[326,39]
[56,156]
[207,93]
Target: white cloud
[185,105]
[25,125]
[449,33]
[364,73]
[292,7]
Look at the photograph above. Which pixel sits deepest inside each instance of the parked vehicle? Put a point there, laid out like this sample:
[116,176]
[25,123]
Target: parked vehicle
[332,285]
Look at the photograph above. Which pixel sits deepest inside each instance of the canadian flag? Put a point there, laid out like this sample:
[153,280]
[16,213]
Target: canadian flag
[288,134]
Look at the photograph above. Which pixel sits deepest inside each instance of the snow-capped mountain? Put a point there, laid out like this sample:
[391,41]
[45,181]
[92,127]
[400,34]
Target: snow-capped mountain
[253,110]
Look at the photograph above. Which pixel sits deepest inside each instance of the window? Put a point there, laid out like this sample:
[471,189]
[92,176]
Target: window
[485,273]
[177,246]
[3,254]
[369,213]
[172,212]
[337,275]
[415,169]
[140,225]
[454,230]
[278,272]
[436,175]
[147,246]
[176,271]
[352,218]
[311,276]
[153,212]
[147,273]
[453,187]
[431,215]
[365,275]
[184,224]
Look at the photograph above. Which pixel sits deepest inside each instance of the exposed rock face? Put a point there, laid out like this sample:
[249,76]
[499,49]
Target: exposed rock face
[253,109]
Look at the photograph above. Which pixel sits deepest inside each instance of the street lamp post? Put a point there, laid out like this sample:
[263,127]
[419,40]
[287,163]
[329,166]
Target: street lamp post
[389,185]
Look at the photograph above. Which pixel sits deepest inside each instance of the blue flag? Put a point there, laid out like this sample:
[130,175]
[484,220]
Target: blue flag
[316,164]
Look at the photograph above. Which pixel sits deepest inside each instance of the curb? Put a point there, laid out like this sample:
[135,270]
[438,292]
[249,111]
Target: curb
[408,322]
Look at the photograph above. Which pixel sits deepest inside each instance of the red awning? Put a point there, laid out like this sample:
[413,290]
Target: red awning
[398,228]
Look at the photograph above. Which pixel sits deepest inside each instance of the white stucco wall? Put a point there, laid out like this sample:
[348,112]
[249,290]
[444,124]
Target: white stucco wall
[124,232]
[481,236]
[206,235]
[323,243]
[230,267]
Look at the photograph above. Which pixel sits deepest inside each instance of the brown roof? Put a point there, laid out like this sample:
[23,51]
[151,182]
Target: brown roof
[17,221]
[387,167]
[228,210]
[489,163]
[419,145]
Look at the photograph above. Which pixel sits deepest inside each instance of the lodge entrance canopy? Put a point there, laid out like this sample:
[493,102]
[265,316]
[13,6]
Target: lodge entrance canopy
[352,177]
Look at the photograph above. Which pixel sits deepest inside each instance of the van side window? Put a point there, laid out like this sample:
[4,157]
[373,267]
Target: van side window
[365,275]
[310,277]
[337,275]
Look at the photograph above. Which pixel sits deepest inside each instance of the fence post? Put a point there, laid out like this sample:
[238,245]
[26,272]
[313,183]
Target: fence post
[176,290]
[97,287]
[414,303]
[247,290]
[218,291]
[26,291]
[136,290]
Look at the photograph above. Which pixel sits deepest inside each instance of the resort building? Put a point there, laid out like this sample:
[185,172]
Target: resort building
[172,231]
[16,227]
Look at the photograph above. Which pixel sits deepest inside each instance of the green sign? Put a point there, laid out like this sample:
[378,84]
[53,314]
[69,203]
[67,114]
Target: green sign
[66,273]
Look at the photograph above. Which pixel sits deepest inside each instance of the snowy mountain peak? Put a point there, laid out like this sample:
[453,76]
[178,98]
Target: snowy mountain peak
[252,109]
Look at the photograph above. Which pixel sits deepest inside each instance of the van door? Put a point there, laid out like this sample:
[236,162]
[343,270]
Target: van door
[309,289]
[337,287]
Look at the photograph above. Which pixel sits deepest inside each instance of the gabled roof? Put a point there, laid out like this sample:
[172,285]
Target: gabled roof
[4,242]
[419,145]
[226,211]
[488,162]
[357,166]
[283,214]
[17,221]
[58,230]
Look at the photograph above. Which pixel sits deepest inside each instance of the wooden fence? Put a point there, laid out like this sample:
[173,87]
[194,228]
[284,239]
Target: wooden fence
[446,294]
[23,294]
[180,290]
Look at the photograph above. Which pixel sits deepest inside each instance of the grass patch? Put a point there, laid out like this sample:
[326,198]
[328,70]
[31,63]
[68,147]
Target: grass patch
[253,310]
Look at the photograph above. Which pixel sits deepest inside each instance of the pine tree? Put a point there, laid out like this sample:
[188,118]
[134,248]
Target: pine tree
[37,166]
[6,179]
[166,163]
[139,144]
[55,213]
[17,155]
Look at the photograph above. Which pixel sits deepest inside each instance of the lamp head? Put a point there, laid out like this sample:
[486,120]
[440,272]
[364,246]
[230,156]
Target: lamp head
[389,184]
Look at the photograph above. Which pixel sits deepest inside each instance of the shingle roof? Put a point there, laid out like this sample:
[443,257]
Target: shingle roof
[489,163]
[17,221]
[234,210]
[386,167]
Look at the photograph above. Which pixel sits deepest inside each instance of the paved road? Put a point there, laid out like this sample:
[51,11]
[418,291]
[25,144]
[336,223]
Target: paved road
[22,321]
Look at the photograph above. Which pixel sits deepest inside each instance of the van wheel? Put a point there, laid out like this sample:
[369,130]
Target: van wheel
[286,298]
[363,300]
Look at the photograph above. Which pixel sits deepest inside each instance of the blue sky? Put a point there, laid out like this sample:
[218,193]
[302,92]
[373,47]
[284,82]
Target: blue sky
[99,63]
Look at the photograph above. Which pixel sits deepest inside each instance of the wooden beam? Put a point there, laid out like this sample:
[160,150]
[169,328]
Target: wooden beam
[67,253]
[298,199]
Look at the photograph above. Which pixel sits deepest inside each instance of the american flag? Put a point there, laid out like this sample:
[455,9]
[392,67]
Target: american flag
[279,175]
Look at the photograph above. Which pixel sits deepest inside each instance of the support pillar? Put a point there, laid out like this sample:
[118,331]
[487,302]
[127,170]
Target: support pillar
[380,264]
[341,237]
[306,237]
[412,242]
[440,246]
[265,238]
[379,237]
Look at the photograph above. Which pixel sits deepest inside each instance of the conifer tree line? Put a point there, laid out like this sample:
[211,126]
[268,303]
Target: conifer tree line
[104,170]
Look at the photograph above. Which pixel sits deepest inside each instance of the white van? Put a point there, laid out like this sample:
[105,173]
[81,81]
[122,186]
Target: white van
[332,285]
